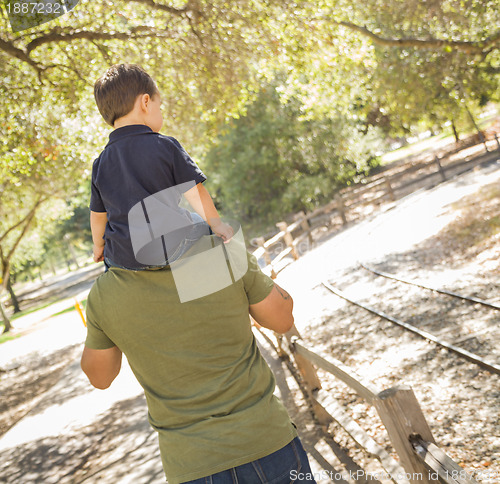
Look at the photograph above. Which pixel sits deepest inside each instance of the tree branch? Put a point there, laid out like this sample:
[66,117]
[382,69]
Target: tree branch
[20,54]
[165,8]
[493,70]
[69,36]
[31,213]
[464,46]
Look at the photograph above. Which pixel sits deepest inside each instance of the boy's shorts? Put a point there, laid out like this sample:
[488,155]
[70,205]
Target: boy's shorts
[198,230]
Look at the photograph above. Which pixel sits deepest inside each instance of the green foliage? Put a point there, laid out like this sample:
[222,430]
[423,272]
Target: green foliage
[44,154]
[395,64]
[209,55]
[348,67]
[273,160]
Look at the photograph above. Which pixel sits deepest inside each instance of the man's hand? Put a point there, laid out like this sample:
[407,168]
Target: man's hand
[98,253]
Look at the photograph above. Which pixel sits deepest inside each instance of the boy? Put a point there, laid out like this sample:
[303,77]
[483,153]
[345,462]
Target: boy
[138,180]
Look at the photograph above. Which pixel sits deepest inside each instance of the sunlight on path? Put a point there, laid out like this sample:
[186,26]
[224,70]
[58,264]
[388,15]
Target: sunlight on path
[70,404]
[401,228]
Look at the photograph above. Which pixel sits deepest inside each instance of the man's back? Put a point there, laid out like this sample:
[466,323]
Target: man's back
[209,391]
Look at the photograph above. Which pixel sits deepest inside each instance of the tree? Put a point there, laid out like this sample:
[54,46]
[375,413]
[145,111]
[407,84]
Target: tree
[42,158]
[272,161]
[201,54]
[207,55]
[396,63]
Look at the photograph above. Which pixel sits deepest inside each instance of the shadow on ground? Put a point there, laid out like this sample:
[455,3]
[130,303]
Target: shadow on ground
[118,447]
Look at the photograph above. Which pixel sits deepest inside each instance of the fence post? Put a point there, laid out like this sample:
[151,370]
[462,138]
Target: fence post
[402,416]
[305,367]
[306,226]
[440,464]
[390,191]
[483,139]
[341,208]
[440,168]
[267,257]
[288,238]
[498,142]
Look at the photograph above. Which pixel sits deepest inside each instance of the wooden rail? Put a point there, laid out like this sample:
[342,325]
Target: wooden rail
[439,464]
[288,240]
[421,460]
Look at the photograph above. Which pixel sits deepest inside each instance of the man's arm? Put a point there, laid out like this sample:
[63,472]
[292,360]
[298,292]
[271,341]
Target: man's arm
[98,221]
[275,311]
[101,366]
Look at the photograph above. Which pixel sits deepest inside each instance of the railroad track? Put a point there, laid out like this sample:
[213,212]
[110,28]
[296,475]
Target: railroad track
[430,288]
[453,347]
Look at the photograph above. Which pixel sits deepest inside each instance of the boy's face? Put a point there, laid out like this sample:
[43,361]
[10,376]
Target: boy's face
[154,118]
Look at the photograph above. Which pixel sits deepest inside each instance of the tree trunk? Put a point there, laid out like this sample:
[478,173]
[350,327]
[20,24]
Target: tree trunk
[13,297]
[52,266]
[473,121]
[71,250]
[6,320]
[455,132]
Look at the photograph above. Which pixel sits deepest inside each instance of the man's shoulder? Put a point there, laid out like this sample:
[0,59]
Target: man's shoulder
[97,287]
[105,284]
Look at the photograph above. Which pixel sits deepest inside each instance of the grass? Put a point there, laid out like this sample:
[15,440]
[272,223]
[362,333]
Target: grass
[413,149]
[29,311]
[420,146]
[7,336]
[72,308]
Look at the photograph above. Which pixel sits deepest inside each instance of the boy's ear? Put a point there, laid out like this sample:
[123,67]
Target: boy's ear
[144,100]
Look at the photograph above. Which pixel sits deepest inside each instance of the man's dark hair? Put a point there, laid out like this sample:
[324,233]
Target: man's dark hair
[116,91]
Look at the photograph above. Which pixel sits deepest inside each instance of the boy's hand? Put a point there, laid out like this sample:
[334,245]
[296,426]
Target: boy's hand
[223,230]
[98,253]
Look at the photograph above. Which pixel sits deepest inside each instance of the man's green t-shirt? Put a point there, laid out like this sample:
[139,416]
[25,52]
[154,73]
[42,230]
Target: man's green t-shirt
[209,390]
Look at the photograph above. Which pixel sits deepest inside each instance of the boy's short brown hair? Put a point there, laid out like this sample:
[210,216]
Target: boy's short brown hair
[116,91]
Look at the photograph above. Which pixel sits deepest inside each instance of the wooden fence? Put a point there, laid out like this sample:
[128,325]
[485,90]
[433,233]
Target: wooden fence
[421,461]
[353,202]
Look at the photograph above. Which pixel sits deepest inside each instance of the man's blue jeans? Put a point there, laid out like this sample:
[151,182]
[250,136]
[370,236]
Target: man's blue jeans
[287,465]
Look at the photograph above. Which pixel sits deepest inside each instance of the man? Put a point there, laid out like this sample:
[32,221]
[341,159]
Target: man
[208,389]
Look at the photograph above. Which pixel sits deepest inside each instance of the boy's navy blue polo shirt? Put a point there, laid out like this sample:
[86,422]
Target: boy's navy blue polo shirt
[136,163]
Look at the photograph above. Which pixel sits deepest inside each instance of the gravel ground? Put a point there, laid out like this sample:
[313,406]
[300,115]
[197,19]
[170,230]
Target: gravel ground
[457,249]
[446,237]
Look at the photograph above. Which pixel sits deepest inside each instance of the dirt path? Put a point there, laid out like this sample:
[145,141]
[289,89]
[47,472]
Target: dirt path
[447,237]
[73,433]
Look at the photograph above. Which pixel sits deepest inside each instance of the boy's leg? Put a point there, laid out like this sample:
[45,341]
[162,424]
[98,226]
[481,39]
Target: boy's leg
[200,224]
[195,233]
